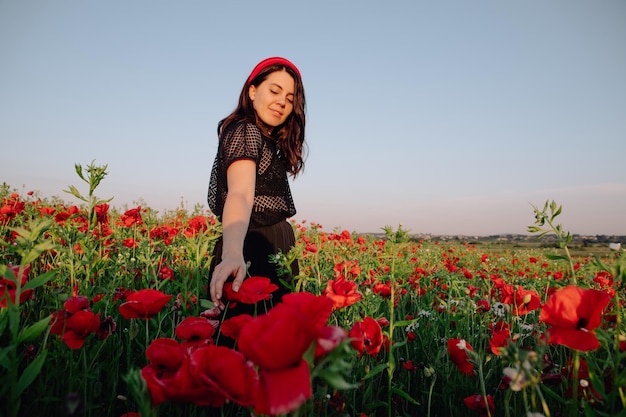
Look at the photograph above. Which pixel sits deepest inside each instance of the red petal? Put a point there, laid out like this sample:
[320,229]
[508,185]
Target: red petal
[283,391]
[575,339]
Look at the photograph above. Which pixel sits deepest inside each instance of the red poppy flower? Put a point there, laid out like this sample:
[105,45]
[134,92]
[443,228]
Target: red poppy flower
[173,375]
[277,339]
[165,233]
[222,373]
[46,211]
[316,308]
[410,366]
[167,373]
[500,337]
[107,327]
[130,242]
[165,272]
[458,355]
[195,225]
[484,405]
[276,343]
[144,304]
[525,301]
[366,336]
[482,305]
[195,331]
[232,326]
[572,314]
[11,208]
[102,214]
[505,291]
[79,326]
[384,322]
[384,290]
[71,306]
[253,290]
[132,217]
[344,293]
[328,338]
[284,390]
[76,322]
[8,286]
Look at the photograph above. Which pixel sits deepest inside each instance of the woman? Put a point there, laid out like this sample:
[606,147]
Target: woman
[260,144]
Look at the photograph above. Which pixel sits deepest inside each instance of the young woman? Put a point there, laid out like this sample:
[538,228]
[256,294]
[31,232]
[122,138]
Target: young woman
[260,144]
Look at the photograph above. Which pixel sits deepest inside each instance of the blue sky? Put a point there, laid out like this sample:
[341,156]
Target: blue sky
[445,117]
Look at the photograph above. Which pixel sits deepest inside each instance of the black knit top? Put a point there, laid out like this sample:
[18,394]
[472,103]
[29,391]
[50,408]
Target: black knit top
[272,198]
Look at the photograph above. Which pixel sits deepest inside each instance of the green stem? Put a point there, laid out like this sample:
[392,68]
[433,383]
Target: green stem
[430,393]
[391,360]
[483,388]
[563,244]
[544,405]
[576,382]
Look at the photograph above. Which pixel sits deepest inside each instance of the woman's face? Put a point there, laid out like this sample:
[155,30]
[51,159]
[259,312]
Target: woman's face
[273,98]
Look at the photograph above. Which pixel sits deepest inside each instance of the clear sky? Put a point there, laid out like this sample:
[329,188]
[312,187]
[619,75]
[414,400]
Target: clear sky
[447,117]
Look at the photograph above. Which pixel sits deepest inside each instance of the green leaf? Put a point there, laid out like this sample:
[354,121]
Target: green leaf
[79,170]
[556,257]
[404,323]
[399,344]
[336,380]
[375,371]
[404,395]
[30,373]
[7,273]
[4,318]
[103,201]
[74,191]
[550,393]
[206,303]
[4,356]
[34,330]
[36,251]
[40,280]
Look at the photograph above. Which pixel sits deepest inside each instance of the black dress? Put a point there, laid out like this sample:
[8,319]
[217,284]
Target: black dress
[268,232]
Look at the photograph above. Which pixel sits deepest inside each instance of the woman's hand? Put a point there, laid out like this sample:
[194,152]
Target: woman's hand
[231,266]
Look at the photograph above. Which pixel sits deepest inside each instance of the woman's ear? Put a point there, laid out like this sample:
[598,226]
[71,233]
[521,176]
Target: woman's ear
[252,92]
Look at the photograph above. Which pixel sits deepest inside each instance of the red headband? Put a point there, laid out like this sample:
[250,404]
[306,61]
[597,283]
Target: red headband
[269,62]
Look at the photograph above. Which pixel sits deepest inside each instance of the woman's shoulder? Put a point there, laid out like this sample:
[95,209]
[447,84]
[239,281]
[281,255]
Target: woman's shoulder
[242,128]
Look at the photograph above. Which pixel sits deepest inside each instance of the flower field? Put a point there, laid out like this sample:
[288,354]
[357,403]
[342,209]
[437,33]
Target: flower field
[104,312]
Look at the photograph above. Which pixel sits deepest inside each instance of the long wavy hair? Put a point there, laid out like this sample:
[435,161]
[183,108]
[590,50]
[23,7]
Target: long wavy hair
[289,136]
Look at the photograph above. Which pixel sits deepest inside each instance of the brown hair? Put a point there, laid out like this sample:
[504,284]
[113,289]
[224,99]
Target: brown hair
[290,135]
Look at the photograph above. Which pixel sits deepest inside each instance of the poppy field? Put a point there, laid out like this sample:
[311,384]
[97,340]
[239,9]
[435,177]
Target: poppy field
[104,312]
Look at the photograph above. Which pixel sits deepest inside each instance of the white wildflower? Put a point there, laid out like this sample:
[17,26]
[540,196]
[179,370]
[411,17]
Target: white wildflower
[412,327]
[526,328]
[499,309]
[517,378]
[424,313]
